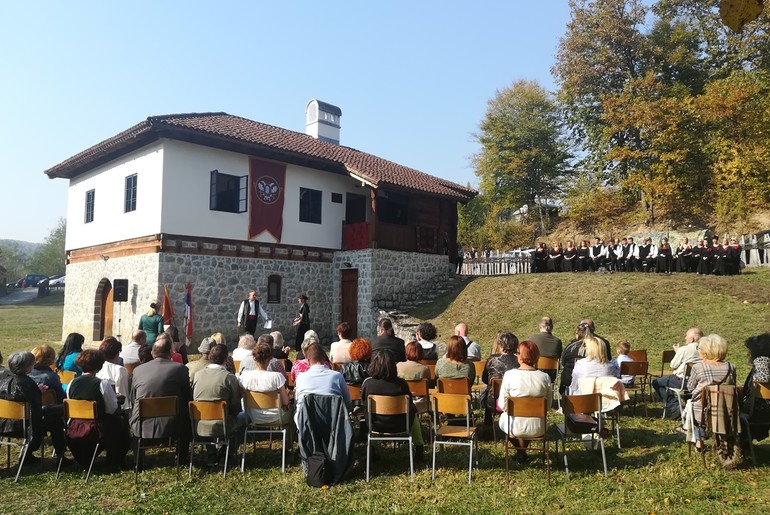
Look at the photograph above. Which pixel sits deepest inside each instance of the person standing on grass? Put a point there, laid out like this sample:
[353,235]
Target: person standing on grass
[687,353]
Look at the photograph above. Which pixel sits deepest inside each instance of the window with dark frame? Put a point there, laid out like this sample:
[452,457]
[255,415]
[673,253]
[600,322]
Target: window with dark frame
[273,289]
[90,197]
[337,198]
[130,196]
[228,193]
[310,205]
[393,208]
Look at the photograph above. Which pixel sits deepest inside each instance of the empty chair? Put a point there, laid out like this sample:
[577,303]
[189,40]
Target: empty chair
[581,416]
[459,435]
[388,405]
[213,411]
[155,408]
[18,412]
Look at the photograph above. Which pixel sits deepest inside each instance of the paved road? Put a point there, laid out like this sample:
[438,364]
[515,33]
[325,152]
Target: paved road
[19,295]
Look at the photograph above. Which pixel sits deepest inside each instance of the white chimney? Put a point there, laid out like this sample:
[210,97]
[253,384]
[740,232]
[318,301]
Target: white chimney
[322,121]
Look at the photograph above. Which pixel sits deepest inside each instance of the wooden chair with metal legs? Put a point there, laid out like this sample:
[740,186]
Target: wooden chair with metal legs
[759,391]
[477,387]
[65,376]
[48,398]
[130,367]
[263,401]
[388,405]
[209,411]
[150,408]
[495,384]
[460,386]
[682,393]
[551,366]
[665,360]
[638,369]
[451,405]
[80,410]
[532,407]
[638,354]
[16,410]
[582,415]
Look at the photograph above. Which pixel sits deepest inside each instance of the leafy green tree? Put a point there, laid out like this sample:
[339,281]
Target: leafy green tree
[523,153]
[50,259]
[11,263]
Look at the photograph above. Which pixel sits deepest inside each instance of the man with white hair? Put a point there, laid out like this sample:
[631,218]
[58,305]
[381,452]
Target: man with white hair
[548,345]
[687,353]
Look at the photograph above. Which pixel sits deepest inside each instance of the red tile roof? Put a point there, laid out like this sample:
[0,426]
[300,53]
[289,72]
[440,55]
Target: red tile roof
[223,130]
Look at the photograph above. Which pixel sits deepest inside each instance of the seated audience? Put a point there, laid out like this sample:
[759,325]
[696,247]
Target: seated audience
[524,381]
[426,333]
[595,363]
[246,345]
[302,364]
[73,344]
[117,376]
[356,370]
[16,385]
[455,364]
[178,347]
[114,430]
[496,367]
[145,354]
[340,350]
[248,363]
[319,379]
[42,374]
[622,350]
[130,352]
[383,380]
[684,354]
[711,370]
[547,344]
[386,340]
[759,356]
[199,364]
[280,350]
[263,380]
[473,349]
[412,369]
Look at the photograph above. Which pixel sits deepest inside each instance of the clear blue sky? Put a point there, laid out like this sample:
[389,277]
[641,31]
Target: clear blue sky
[412,78]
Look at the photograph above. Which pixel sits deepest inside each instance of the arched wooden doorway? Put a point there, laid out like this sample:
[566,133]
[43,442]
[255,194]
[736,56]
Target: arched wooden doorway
[103,310]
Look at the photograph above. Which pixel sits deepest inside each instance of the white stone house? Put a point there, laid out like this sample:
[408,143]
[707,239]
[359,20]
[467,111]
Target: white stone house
[228,204]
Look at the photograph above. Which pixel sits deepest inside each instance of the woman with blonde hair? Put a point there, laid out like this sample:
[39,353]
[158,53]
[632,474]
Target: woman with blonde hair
[151,323]
[596,363]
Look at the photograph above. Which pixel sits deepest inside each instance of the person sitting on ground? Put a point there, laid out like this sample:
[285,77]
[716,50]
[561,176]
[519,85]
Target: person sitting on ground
[687,353]
[386,340]
[117,376]
[130,353]
[319,379]
[263,380]
[426,333]
[495,368]
[114,429]
[73,344]
[622,350]
[340,350]
[215,383]
[197,365]
[524,381]
[246,344]
[473,349]
[711,370]
[48,380]
[595,363]
[759,357]
[355,371]
[455,364]
[383,380]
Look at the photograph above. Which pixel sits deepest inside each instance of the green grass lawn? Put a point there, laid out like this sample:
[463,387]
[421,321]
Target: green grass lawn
[652,473]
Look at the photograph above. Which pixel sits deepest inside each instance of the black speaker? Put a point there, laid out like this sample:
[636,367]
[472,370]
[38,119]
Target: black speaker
[120,290]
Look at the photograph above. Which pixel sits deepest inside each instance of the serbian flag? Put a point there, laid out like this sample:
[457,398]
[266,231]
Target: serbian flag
[188,315]
[266,182]
[167,310]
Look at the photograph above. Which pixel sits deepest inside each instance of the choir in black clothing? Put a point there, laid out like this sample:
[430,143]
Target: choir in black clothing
[626,256]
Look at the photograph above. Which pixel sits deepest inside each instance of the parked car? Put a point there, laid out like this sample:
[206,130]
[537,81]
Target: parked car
[57,281]
[33,279]
[16,284]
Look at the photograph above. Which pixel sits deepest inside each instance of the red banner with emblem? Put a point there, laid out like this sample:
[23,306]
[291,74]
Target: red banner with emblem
[266,182]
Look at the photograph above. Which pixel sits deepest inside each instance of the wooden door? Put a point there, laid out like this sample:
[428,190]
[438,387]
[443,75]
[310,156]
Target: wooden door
[108,306]
[349,304]
[103,310]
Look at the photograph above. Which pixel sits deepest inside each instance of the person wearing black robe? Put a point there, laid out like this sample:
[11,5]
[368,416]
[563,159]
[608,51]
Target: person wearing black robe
[683,257]
[554,259]
[663,259]
[718,257]
[702,255]
[734,258]
[568,257]
[583,257]
[540,258]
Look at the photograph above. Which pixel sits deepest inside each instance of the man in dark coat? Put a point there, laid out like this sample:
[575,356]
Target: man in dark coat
[386,340]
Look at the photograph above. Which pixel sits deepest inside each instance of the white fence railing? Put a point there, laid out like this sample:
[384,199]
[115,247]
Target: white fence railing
[759,250]
[497,264]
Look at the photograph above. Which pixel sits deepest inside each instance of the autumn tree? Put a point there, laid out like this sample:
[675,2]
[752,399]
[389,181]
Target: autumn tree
[523,153]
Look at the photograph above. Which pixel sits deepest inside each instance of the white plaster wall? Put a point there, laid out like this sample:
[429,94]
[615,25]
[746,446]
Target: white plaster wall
[186,179]
[110,222]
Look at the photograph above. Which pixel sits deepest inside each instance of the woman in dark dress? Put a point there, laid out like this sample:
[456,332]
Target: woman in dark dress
[663,261]
[719,257]
[48,380]
[568,257]
[302,322]
[583,257]
[496,367]
[759,356]
[383,380]
[540,257]
[734,257]
[682,260]
[114,428]
[701,255]
[554,258]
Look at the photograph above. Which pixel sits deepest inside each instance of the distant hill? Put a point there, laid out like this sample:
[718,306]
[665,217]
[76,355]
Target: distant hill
[26,248]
